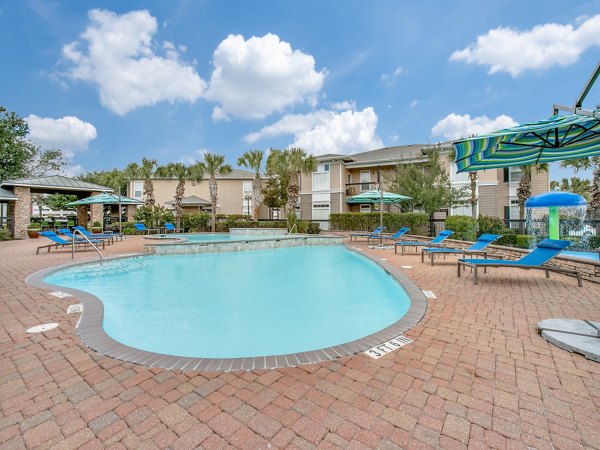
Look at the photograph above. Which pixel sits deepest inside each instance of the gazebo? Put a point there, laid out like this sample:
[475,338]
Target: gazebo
[15,199]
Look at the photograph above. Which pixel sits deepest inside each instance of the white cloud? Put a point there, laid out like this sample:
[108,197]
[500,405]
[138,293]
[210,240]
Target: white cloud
[119,58]
[414,103]
[345,105]
[455,126]
[259,76]
[387,77]
[73,170]
[513,51]
[324,131]
[68,133]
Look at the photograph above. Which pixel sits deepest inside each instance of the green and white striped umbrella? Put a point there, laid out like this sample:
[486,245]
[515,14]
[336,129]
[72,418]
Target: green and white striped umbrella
[556,139]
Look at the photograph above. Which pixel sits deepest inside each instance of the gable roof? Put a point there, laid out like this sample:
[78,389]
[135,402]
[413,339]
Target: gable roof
[7,195]
[57,182]
[191,200]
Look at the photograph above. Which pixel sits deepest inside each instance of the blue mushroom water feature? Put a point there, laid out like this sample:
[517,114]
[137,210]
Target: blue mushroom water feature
[557,204]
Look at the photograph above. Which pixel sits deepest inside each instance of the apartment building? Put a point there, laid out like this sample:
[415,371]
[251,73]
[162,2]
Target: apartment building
[338,177]
[234,194]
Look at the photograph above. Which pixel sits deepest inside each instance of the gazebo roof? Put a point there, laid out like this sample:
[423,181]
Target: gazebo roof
[6,195]
[56,182]
[191,200]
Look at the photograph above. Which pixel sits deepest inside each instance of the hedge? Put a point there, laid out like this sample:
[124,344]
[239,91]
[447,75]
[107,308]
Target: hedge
[464,227]
[417,222]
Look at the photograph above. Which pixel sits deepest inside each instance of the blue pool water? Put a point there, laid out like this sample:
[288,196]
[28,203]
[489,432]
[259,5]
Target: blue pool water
[209,237]
[595,256]
[254,303]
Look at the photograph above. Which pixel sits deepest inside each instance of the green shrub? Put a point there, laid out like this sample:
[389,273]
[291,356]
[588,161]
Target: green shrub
[195,222]
[129,230]
[313,228]
[114,227]
[464,227]
[594,242]
[417,222]
[508,239]
[490,225]
[153,217]
[525,241]
[224,227]
[5,234]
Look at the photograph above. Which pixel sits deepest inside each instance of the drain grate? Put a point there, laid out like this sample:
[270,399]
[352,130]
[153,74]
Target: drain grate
[60,294]
[42,328]
[76,308]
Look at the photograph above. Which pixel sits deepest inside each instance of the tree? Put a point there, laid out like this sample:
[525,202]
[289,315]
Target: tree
[584,164]
[427,183]
[287,165]
[116,179]
[58,202]
[573,184]
[524,188]
[182,173]
[19,157]
[145,172]
[252,159]
[214,165]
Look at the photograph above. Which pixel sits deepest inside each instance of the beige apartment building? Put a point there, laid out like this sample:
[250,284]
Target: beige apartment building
[234,194]
[339,177]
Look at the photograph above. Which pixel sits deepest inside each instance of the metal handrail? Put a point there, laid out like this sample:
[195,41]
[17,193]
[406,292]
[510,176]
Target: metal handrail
[292,229]
[75,231]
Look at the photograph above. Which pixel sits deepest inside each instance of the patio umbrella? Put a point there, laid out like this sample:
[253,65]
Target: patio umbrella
[556,139]
[378,196]
[107,199]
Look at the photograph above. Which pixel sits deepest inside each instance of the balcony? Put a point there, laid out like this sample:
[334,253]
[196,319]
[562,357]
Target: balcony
[357,188]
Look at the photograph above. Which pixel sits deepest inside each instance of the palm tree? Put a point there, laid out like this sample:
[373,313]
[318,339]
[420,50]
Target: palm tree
[182,173]
[524,188]
[252,159]
[288,165]
[584,164]
[145,172]
[213,165]
[573,184]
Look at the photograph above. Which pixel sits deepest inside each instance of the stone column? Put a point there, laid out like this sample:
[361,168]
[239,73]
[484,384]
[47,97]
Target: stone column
[97,212]
[82,216]
[22,211]
[10,213]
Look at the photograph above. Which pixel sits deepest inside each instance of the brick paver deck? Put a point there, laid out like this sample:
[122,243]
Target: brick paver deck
[477,375]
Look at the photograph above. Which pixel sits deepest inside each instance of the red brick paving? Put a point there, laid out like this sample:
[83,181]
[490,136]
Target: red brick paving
[476,376]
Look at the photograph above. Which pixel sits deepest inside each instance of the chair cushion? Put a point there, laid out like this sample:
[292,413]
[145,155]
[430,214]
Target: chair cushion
[553,243]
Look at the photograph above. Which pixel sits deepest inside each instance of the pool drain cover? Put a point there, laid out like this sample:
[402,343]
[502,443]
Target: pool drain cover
[42,328]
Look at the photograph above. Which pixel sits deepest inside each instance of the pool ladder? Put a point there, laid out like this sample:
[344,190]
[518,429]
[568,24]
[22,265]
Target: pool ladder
[75,231]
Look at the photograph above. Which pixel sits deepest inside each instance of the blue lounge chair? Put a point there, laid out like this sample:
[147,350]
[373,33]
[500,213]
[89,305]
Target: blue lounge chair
[58,241]
[397,235]
[436,241]
[478,248]
[170,228]
[373,235]
[543,252]
[141,227]
[109,237]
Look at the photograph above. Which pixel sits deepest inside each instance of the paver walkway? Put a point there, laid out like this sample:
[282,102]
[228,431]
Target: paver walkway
[477,375]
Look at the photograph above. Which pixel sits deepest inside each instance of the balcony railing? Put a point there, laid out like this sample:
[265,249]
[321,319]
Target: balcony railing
[357,188]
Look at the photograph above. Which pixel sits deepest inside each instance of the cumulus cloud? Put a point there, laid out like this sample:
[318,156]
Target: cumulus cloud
[324,131]
[260,76]
[119,57]
[455,126]
[68,133]
[513,51]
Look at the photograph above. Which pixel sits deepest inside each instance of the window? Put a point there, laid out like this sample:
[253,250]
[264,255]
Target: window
[247,198]
[365,208]
[515,174]
[320,180]
[138,189]
[458,177]
[365,178]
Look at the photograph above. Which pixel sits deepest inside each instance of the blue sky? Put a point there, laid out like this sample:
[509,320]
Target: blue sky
[111,82]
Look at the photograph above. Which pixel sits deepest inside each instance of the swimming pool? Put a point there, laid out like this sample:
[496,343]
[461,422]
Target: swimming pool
[243,304]
[594,256]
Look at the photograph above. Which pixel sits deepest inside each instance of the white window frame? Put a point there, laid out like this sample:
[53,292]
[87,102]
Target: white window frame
[365,208]
[138,186]
[364,182]
[321,178]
